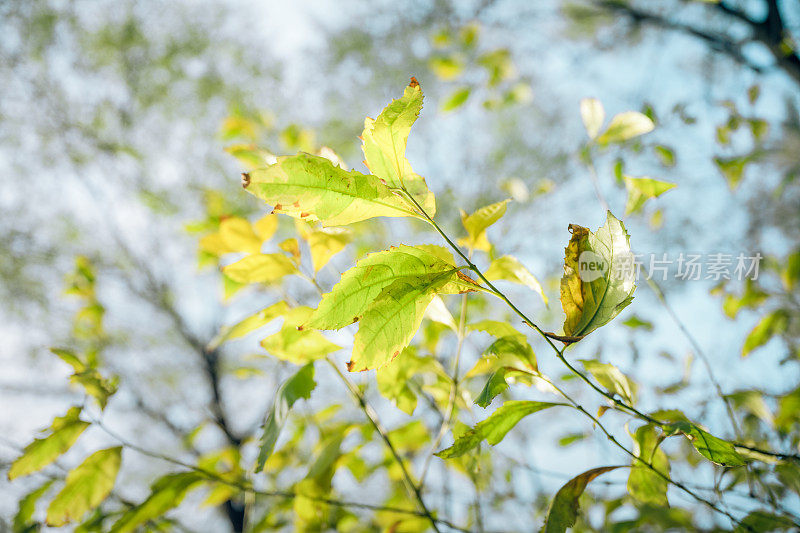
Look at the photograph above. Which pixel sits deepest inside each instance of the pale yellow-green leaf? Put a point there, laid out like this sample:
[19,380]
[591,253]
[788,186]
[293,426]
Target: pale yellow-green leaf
[238,235]
[384,146]
[393,379]
[771,325]
[643,484]
[166,493]
[253,322]
[295,344]
[612,379]
[214,244]
[456,99]
[266,226]
[391,321]
[593,115]
[642,189]
[510,269]
[438,312]
[85,487]
[447,67]
[250,155]
[62,434]
[626,126]
[260,268]
[311,188]
[477,223]
[598,280]
[361,285]
[325,243]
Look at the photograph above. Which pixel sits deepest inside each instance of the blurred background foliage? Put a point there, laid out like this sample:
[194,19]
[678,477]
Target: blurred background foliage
[118,123]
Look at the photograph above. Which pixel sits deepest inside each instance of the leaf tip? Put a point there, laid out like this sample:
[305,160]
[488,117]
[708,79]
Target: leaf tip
[414,83]
[245,179]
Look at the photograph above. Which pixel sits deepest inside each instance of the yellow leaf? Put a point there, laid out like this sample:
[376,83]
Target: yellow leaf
[238,235]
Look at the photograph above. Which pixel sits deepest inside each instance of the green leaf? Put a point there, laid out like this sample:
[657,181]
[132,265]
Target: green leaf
[311,188]
[771,325]
[296,387]
[494,428]
[763,521]
[643,484]
[510,269]
[85,487]
[456,99]
[260,268]
[642,189]
[384,146]
[361,285]
[166,493]
[477,223]
[446,67]
[598,279]
[593,115]
[626,126]
[63,433]
[712,448]
[496,385]
[392,320]
[634,322]
[23,520]
[564,509]
[612,379]
[394,378]
[296,344]
[732,169]
[494,328]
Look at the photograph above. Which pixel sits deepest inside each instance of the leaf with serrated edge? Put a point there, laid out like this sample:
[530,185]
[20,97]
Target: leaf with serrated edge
[712,448]
[85,487]
[494,428]
[384,145]
[392,320]
[564,508]
[311,188]
[593,303]
[361,285]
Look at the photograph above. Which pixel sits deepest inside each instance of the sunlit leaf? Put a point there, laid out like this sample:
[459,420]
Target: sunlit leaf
[494,428]
[598,279]
[326,243]
[311,188]
[626,126]
[446,67]
[712,448]
[498,64]
[593,115]
[612,379]
[85,487]
[238,235]
[166,493]
[510,269]
[361,285]
[642,189]
[564,508]
[296,344]
[23,519]
[384,146]
[260,268]
[253,322]
[477,223]
[265,227]
[771,325]
[62,434]
[390,322]
[394,379]
[634,322]
[496,385]
[296,387]
[644,484]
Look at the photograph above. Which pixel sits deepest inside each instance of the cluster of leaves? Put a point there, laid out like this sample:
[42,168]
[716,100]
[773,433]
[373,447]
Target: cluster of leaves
[389,294]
